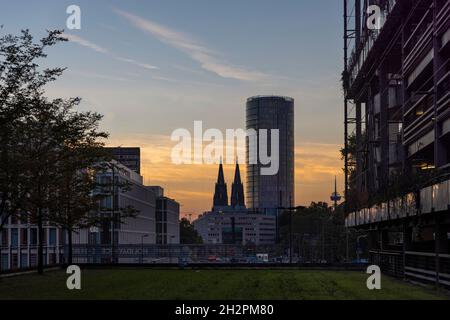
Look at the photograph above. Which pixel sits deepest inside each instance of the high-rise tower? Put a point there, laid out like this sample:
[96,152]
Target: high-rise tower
[268,192]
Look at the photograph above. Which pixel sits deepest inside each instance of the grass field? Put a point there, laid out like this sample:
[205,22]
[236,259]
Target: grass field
[209,284]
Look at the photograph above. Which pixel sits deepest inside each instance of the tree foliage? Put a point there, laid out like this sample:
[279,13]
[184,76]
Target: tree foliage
[317,232]
[188,235]
[50,153]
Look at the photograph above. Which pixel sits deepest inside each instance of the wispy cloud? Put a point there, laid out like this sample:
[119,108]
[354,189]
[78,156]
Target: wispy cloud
[136,63]
[100,76]
[85,43]
[88,44]
[207,58]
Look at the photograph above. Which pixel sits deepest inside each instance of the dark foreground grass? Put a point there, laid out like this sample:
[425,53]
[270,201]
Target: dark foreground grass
[209,284]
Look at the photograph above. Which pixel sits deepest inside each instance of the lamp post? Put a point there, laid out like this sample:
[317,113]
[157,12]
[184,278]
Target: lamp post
[170,252]
[113,213]
[290,209]
[142,247]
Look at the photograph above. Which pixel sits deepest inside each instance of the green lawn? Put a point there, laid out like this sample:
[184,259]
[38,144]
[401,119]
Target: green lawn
[209,284]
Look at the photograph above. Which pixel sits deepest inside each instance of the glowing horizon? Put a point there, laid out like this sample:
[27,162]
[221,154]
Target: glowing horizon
[150,69]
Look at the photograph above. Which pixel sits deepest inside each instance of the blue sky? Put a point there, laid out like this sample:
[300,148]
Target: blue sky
[153,66]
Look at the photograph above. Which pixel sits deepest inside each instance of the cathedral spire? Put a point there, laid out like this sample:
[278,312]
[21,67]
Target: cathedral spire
[220,194]
[237,189]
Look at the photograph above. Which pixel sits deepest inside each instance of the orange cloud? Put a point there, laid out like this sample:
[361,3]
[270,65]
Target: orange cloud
[193,185]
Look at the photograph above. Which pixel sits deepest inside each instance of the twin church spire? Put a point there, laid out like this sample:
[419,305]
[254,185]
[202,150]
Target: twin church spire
[221,193]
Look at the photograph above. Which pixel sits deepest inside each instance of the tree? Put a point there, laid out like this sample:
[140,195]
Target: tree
[317,232]
[188,235]
[50,154]
[79,193]
[81,159]
[21,88]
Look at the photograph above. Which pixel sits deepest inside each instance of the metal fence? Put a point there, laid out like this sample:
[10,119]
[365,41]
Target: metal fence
[424,267]
[14,258]
[175,254]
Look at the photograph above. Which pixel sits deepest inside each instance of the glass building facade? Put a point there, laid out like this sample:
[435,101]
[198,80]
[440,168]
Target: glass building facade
[267,192]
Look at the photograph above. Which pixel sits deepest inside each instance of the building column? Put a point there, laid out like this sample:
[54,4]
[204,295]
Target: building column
[440,152]
[384,124]
[407,240]
[441,238]
[437,247]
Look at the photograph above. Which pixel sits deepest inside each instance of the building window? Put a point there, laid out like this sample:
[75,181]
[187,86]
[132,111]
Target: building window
[33,236]
[33,260]
[14,261]
[52,237]
[4,265]
[45,236]
[24,237]
[52,259]
[94,238]
[14,237]
[4,238]
[62,238]
[24,260]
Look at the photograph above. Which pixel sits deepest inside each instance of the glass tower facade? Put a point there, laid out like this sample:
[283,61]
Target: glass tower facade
[267,192]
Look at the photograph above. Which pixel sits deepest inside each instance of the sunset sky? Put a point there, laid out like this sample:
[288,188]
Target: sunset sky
[151,67]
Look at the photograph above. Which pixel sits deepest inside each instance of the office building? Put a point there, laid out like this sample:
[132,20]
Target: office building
[268,192]
[156,222]
[236,226]
[141,227]
[19,244]
[167,218]
[128,156]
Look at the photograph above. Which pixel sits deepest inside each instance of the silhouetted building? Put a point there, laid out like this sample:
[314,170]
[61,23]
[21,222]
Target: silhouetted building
[133,228]
[267,192]
[396,90]
[234,224]
[167,221]
[128,156]
[237,190]
[220,193]
[19,237]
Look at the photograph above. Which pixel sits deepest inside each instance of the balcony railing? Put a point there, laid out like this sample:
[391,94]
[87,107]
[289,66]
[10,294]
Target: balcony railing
[431,199]
[418,266]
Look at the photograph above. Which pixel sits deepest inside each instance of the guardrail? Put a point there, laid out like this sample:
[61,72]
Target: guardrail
[430,199]
[427,267]
[389,261]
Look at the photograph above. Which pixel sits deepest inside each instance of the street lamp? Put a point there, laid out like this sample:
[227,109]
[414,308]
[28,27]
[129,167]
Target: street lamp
[112,167]
[142,247]
[168,247]
[290,209]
